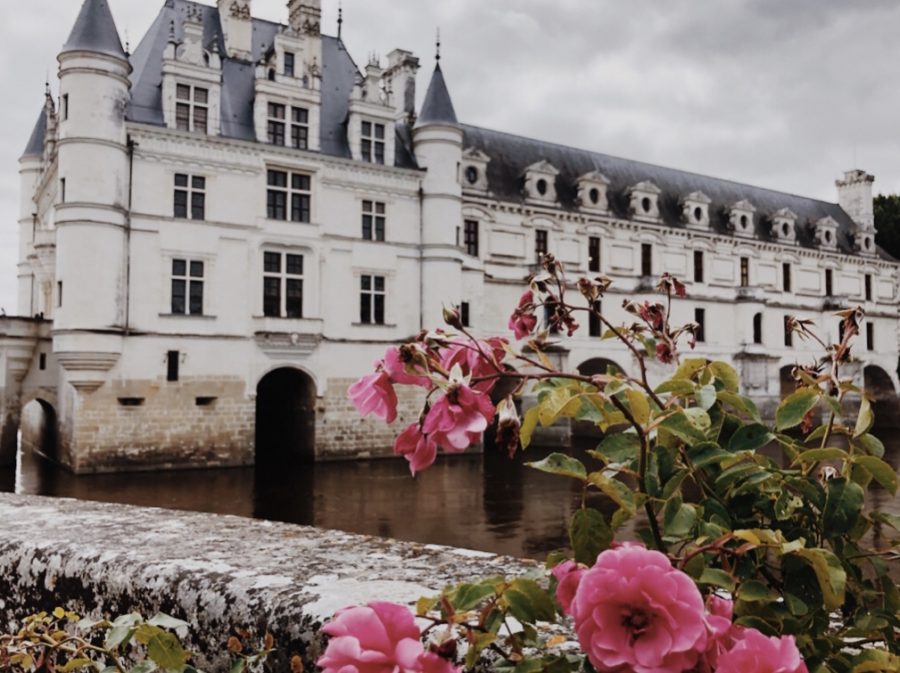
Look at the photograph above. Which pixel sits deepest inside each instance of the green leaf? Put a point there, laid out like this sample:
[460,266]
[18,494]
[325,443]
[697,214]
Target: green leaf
[466,596]
[727,375]
[121,631]
[717,578]
[870,444]
[163,648]
[615,490]
[540,602]
[679,425]
[678,518]
[143,667]
[706,397]
[74,665]
[756,592]
[620,448]
[794,408]
[561,464]
[707,453]
[843,506]
[689,367]
[639,405]
[529,423]
[238,666]
[865,420]
[166,622]
[676,387]
[589,534]
[817,455]
[831,576]
[739,403]
[884,474]
[750,437]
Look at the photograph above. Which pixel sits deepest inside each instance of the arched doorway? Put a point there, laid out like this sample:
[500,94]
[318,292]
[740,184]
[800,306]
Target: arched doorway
[788,383]
[285,416]
[39,430]
[586,431]
[880,389]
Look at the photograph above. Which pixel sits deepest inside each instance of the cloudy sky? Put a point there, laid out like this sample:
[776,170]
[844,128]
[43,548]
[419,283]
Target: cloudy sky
[781,93]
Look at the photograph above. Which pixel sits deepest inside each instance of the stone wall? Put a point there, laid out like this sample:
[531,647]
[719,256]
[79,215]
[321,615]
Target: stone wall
[342,433]
[156,424]
[218,573]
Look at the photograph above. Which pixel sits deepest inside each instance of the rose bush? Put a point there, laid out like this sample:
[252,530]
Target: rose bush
[746,560]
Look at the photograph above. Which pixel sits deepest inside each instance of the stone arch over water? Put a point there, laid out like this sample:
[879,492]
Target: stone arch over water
[285,416]
[595,366]
[39,429]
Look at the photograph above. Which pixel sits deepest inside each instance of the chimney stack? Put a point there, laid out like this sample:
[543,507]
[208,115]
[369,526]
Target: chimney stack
[305,16]
[237,28]
[400,78]
[855,197]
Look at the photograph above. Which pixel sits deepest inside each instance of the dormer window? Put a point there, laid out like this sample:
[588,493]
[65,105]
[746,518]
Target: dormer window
[644,201]
[191,108]
[372,142]
[289,60]
[826,233]
[592,188]
[740,218]
[540,182]
[695,210]
[783,226]
[864,243]
[474,169]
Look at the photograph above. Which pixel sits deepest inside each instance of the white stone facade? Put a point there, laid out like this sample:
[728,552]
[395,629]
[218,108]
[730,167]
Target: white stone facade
[364,248]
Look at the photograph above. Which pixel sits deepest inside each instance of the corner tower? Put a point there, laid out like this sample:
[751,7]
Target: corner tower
[438,145]
[92,216]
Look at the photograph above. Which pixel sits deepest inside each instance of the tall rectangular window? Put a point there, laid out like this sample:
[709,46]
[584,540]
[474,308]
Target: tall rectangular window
[788,333]
[299,128]
[277,123]
[190,196]
[187,287]
[59,295]
[646,259]
[870,336]
[745,272]
[465,315]
[372,142]
[829,282]
[541,243]
[786,277]
[289,196]
[595,326]
[282,285]
[371,304]
[868,286]
[373,219]
[594,254]
[62,190]
[700,319]
[191,108]
[698,266]
[65,107]
[172,365]
[471,237]
[289,61]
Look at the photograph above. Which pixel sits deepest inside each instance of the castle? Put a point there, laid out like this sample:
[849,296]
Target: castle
[222,230]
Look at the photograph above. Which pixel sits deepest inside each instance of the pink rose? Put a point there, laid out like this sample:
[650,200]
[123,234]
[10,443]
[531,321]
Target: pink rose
[396,367]
[378,638]
[755,653]
[420,451]
[568,576]
[458,419]
[374,394]
[473,363]
[523,321]
[633,611]
[721,631]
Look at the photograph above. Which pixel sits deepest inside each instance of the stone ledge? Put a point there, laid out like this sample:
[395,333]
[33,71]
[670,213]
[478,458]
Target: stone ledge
[216,572]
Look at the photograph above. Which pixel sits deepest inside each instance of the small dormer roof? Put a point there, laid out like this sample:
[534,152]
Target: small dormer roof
[745,205]
[438,106]
[646,186]
[697,197]
[95,31]
[595,176]
[475,154]
[785,213]
[542,166]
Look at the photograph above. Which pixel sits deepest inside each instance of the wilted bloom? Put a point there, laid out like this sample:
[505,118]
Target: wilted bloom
[523,320]
[418,449]
[458,419]
[407,366]
[755,653]
[670,284]
[654,315]
[593,289]
[633,611]
[664,353]
[568,576]
[508,426]
[374,394]
[378,638]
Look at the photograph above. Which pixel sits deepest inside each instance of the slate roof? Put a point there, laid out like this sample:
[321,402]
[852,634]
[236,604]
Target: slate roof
[95,30]
[35,147]
[437,106]
[511,155]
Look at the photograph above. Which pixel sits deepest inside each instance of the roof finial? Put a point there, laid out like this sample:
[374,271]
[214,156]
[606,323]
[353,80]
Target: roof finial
[127,43]
[438,45]
[340,19]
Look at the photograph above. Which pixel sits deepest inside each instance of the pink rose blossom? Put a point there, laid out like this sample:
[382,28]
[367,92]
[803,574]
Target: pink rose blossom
[634,612]
[523,321]
[568,576]
[397,369]
[374,394]
[378,638]
[473,363]
[721,631]
[755,653]
[419,450]
[458,419]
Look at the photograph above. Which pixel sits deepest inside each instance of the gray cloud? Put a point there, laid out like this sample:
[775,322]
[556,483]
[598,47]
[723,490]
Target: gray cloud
[781,94]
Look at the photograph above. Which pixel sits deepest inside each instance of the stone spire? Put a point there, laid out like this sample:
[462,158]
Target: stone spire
[438,106]
[95,31]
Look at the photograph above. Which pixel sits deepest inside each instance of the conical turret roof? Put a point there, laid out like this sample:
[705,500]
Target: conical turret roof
[438,106]
[35,147]
[95,31]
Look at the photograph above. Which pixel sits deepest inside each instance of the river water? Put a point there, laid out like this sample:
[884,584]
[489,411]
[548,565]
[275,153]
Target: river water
[486,502]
